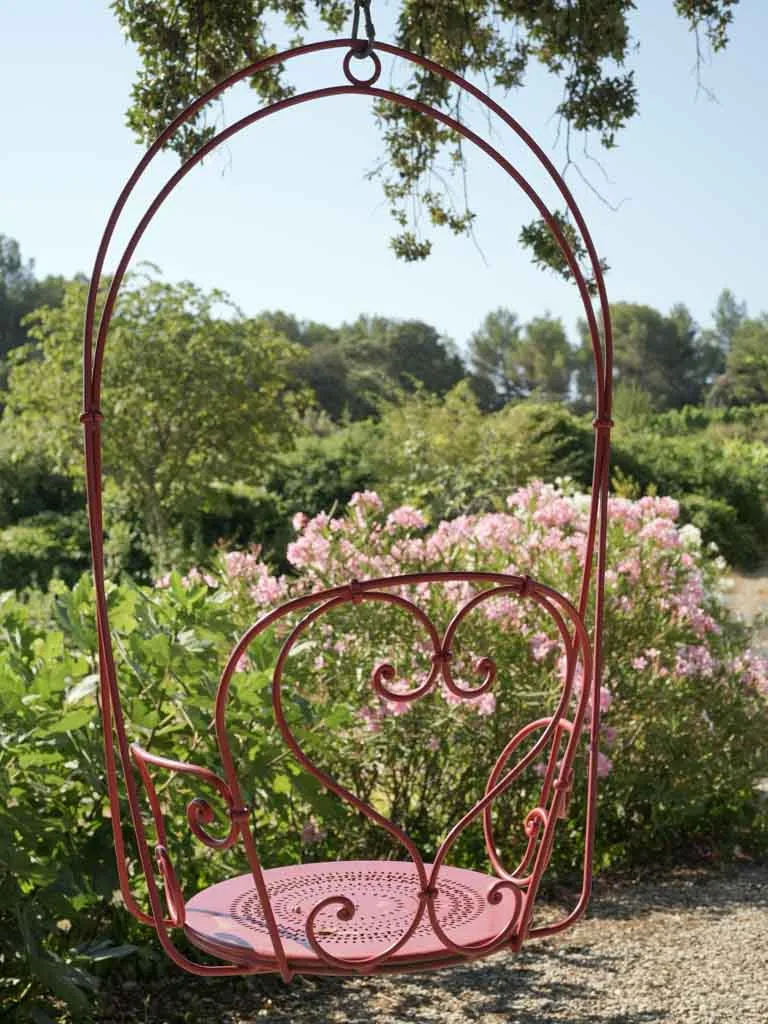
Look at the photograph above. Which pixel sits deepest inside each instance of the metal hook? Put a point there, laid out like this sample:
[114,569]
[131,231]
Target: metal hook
[367,48]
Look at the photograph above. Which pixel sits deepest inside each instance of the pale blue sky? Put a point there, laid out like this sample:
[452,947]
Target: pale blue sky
[283,218]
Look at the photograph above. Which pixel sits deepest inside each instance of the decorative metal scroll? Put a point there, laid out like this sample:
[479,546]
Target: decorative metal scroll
[559,734]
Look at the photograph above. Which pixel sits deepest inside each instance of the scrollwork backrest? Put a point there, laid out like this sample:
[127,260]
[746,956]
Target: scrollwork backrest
[446,696]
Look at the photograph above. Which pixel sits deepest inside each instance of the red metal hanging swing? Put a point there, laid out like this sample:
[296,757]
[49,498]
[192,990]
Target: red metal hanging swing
[371,916]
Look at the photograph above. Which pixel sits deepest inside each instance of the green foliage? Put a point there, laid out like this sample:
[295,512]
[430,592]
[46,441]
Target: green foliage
[631,403]
[547,254]
[43,531]
[722,484]
[29,484]
[511,361]
[747,423]
[321,473]
[662,355]
[352,368]
[56,870]
[186,47]
[686,717]
[189,398]
[42,546]
[746,369]
[20,294]
[449,458]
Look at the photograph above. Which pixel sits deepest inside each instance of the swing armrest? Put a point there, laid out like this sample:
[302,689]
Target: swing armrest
[199,811]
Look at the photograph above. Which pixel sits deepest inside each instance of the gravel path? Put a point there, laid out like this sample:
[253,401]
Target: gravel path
[748,597]
[692,949]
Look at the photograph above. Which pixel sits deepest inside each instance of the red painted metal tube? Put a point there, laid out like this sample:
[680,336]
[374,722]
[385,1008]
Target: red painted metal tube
[540,823]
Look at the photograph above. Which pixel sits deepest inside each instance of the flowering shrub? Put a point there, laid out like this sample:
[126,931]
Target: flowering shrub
[684,714]
[683,704]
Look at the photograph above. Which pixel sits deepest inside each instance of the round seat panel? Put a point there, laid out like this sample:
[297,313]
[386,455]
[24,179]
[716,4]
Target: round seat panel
[227,919]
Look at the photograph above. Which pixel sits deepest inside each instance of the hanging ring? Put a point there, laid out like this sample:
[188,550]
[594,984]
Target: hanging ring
[352,77]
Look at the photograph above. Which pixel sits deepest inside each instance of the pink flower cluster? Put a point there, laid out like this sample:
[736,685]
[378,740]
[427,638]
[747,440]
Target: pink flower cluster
[658,574]
[752,668]
[246,568]
[194,577]
[406,518]
[695,660]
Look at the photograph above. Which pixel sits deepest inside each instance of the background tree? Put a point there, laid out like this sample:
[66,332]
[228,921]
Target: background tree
[510,360]
[353,367]
[746,370]
[727,316]
[491,351]
[399,355]
[656,354]
[185,46]
[20,293]
[190,400]
[545,359]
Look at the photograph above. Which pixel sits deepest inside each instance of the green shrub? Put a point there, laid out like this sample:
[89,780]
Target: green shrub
[43,546]
[711,474]
[684,737]
[448,458]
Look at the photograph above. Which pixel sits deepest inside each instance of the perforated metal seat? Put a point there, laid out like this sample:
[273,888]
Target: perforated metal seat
[226,919]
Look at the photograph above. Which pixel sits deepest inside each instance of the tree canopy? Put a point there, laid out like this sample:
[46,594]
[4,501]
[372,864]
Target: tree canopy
[20,293]
[745,381]
[353,367]
[186,46]
[190,398]
[665,357]
[511,360]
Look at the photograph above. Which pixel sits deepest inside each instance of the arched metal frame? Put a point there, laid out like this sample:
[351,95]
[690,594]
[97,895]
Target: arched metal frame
[580,648]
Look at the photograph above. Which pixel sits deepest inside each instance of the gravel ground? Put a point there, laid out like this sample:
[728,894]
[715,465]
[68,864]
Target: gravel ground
[748,597]
[689,949]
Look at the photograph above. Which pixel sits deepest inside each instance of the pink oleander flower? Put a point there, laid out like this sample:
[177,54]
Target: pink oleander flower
[608,734]
[695,660]
[557,512]
[433,743]
[194,576]
[406,517]
[450,698]
[395,708]
[606,699]
[299,521]
[310,550]
[542,646]
[484,705]
[604,765]
[662,530]
[366,500]
[372,718]
[631,567]
[638,664]
[242,565]
[163,582]
[243,663]
[752,669]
